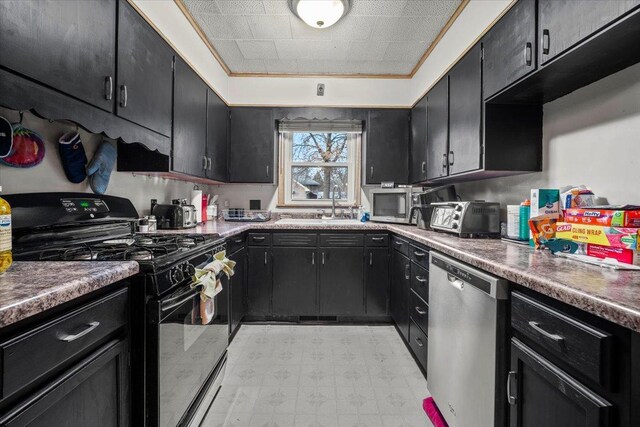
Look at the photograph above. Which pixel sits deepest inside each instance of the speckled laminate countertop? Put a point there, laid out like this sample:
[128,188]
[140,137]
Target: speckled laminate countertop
[613,295]
[29,288]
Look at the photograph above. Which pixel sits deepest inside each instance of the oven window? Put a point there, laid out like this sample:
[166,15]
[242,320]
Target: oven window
[390,205]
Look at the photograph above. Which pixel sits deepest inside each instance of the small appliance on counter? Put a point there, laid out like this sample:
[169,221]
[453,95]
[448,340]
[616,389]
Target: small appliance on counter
[393,204]
[467,219]
[177,215]
[422,209]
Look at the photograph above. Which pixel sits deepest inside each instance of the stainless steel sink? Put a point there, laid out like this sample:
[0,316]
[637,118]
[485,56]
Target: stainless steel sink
[318,222]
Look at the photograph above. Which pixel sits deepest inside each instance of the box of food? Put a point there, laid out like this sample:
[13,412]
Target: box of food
[545,202]
[611,217]
[616,237]
[626,256]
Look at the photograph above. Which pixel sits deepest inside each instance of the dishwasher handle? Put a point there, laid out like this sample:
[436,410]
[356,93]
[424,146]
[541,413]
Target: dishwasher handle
[455,282]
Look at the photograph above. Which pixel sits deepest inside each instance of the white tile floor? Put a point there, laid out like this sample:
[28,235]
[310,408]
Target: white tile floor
[320,376]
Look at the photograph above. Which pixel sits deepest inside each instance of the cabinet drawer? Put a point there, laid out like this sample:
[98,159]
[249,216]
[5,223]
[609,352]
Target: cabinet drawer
[28,357]
[259,239]
[419,311]
[295,239]
[400,245]
[341,240]
[235,243]
[373,240]
[420,281]
[579,345]
[418,343]
[420,256]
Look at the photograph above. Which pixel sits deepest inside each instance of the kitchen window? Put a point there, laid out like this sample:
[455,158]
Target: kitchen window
[319,160]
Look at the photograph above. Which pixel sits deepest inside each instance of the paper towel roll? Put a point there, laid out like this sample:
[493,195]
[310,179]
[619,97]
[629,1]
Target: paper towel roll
[196,200]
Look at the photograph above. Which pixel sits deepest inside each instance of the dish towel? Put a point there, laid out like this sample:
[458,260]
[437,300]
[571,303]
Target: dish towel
[430,407]
[207,279]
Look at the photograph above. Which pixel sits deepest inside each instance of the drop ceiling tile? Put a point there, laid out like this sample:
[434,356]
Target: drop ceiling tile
[397,29]
[430,8]
[311,66]
[378,7]
[387,67]
[311,49]
[301,31]
[405,51]
[352,28]
[229,50]
[241,7]
[258,49]
[367,50]
[224,27]
[196,7]
[270,27]
[281,66]
[247,66]
[276,7]
[344,67]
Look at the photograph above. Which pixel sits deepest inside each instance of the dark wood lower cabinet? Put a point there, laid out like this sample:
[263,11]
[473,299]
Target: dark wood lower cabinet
[259,281]
[541,394]
[341,281]
[294,281]
[95,392]
[238,287]
[400,285]
[377,281]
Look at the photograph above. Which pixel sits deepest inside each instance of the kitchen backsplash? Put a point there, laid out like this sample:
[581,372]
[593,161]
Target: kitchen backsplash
[48,176]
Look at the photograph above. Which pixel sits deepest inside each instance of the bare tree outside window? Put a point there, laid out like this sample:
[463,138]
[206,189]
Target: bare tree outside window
[319,161]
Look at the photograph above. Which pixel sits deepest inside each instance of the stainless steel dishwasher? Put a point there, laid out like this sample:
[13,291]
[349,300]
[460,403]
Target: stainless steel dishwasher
[466,369]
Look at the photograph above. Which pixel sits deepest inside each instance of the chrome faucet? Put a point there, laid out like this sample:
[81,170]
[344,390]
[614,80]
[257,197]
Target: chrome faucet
[333,201]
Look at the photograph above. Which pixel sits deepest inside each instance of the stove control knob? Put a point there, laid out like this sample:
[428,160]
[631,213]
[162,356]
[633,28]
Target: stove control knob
[456,216]
[188,269]
[458,207]
[176,276]
[454,226]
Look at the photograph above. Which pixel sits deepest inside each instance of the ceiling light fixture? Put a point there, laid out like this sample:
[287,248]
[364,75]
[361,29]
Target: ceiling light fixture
[320,13]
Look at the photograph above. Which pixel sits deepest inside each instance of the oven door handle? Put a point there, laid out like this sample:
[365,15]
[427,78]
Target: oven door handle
[178,300]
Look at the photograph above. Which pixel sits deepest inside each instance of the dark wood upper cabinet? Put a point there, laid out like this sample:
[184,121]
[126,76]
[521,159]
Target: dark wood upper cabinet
[189,122]
[145,73]
[217,137]
[510,48]
[387,146]
[465,113]
[419,141]
[438,129]
[69,46]
[564,23]
[252,145]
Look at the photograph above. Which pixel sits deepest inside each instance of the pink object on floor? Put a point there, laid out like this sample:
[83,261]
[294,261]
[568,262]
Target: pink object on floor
[430,407]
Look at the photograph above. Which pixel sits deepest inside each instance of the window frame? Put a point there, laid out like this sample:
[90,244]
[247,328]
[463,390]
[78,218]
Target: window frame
[285,143]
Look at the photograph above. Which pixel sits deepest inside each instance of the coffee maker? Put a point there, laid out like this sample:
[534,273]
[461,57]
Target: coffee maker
[421,208]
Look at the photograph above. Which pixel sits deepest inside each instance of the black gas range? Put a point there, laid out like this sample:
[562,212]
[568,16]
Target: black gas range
[178,357]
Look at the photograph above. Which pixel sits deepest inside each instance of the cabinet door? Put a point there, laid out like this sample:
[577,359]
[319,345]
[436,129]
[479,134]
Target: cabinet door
[387,146]
[419,141]
[400,285]
[217,141]
[541,394]
[509,48]
[145,73]
[259,281]
[238,286]
[465,113]
[252,142]
[95,392]
[341,281]
[294,281]
[377,281]
[69,46]
[438,129]
[564,23]
[189,121]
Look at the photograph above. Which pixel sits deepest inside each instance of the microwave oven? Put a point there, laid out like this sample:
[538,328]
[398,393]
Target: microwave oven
[393,204]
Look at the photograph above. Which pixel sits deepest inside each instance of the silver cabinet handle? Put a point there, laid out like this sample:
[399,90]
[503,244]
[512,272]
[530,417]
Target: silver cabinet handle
[406,271]
[204,163]
[322,258]
[510,397]
[377,239]
[419,254]
[536,327]
[451,158]
[419,342]
[528,56]
[420,312]
[267,170]
[313,258]
[265,258]
[258,238]
[123,96]
[424,167]
[546,42]
[444,163]
[398,242]
[371,172]
[370,257]
[108,88]
[209,163]
[90,327]
[421,279]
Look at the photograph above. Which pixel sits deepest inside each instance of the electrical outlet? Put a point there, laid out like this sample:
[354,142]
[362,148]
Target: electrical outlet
[320,89]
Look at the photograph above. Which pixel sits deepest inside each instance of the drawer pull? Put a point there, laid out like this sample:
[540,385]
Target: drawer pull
[237,241]
[398,242]
[536,327]
[421,279]
[379,239]
[90,327]
[419,342]
[258,239]
[420,312]
[419,254]
[511,398]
